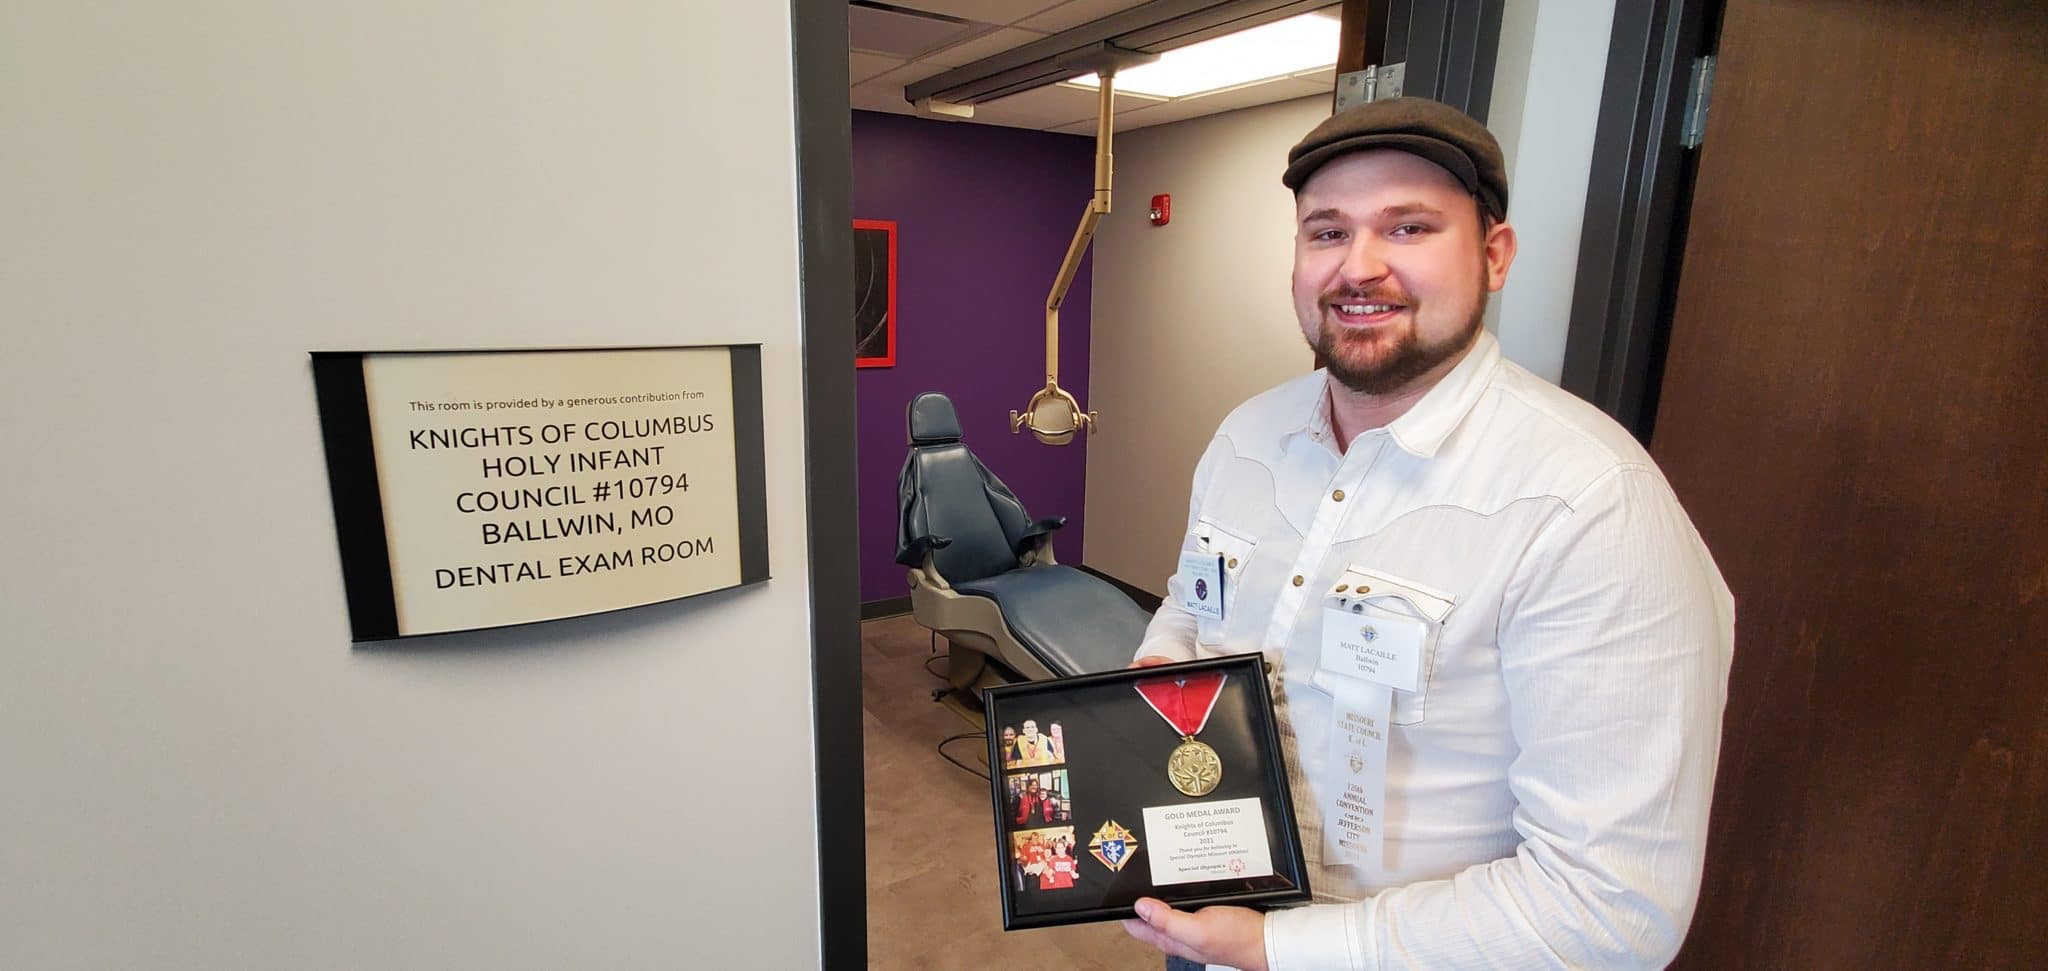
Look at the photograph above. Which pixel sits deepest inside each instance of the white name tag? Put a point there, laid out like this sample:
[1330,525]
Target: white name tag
[1221,840]
[1376,632]
[1374,644]
[1201,584]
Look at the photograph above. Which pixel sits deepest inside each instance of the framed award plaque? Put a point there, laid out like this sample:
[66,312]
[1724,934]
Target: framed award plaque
[1159,782]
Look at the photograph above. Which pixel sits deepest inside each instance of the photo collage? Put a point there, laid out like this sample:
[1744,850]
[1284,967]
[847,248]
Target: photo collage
[1039,807]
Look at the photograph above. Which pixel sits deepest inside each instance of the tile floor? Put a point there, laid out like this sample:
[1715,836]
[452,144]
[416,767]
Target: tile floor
[933,901]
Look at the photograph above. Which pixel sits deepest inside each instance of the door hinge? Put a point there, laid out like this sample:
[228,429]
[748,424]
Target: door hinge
[1378,82]
[1697,94]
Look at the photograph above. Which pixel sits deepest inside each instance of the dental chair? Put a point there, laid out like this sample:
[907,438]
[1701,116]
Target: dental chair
[982,573]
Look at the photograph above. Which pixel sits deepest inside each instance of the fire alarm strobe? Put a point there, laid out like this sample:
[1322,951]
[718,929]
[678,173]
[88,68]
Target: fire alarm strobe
[1162,209]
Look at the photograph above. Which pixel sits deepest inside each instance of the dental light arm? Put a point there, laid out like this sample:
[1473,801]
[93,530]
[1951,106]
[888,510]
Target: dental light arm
[1052,414]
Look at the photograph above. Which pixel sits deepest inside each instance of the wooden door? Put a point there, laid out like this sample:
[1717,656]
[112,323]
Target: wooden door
[1855,412]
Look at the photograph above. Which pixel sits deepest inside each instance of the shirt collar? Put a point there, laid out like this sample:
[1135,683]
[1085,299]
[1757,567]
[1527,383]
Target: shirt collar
[1442,409]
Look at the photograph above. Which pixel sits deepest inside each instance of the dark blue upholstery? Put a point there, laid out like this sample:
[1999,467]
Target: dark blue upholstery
[1072,621]
[932,420]
[951,504]
[956,511]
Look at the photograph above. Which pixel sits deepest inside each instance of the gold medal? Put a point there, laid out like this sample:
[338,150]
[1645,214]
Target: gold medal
[1185,703]
[1193,768]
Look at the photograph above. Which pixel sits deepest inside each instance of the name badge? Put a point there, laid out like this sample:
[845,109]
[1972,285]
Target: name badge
[1376,631]
[1201,584]
[1374,644]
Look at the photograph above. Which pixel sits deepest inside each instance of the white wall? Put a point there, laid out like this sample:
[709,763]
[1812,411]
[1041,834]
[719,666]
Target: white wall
[1544,111]
[1190,318]
[197,770]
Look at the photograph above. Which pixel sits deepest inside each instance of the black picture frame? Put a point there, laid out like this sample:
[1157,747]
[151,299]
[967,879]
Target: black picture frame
[1111,767]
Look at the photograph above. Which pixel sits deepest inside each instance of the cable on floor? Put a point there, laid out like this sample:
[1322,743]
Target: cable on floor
[948,756]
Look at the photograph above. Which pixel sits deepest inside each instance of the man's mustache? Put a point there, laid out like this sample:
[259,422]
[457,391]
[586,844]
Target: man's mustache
[1392,295]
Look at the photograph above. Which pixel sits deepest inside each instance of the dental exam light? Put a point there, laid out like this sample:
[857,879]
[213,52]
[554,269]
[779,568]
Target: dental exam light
[1053,415]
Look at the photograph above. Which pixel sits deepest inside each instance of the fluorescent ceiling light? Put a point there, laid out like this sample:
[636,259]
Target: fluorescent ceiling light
[1275,50]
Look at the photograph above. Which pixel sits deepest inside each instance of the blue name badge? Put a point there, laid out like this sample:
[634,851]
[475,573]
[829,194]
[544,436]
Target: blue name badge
[1201,584]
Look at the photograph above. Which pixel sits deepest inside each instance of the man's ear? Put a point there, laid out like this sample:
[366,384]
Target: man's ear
[1499,253]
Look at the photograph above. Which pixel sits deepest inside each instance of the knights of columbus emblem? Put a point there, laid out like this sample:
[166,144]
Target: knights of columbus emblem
[1368,633]
[1113,845]
[1201,589]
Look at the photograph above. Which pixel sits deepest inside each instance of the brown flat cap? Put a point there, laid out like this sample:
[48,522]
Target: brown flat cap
[1419,126]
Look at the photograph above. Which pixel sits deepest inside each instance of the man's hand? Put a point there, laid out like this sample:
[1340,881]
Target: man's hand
[1149,661]
[1232,936]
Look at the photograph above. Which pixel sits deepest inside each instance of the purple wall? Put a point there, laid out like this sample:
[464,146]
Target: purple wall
[983,216]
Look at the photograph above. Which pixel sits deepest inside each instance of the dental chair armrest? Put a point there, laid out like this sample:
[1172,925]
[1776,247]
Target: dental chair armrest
[926,574]
[1038,534]
[915,552]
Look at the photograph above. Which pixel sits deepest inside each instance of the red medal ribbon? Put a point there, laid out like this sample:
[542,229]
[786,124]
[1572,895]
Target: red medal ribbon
[1185,702]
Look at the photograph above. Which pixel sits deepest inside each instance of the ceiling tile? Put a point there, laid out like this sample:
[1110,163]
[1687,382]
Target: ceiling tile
[1074,13]
[901,76]
[1049,107]
[874,96]
[903,35]
[973,50]
[986,11]
[1125,121]
[1285,89]
[862,66]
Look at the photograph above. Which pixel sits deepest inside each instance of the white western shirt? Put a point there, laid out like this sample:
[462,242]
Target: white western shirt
[1547,787]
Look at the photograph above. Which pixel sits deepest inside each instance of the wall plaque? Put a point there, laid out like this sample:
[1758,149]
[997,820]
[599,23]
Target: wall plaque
[484,489]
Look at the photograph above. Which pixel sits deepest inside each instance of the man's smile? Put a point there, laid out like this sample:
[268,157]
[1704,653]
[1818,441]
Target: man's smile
[1353,312]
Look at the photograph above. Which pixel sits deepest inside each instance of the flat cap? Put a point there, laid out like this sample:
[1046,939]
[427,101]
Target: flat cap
[1419,126]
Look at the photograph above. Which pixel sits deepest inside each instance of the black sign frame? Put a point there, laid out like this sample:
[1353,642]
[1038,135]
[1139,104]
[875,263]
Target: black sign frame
[343,403]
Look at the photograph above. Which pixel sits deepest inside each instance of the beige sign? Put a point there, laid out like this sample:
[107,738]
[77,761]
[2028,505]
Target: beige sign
[525,486]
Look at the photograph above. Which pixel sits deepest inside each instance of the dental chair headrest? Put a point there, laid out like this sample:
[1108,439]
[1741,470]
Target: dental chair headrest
[932,421]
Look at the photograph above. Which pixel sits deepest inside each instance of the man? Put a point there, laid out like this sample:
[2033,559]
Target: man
[1036,855]
[1501,651]
[1009,748]
[1033,748]
[1060,870]
[1028,802]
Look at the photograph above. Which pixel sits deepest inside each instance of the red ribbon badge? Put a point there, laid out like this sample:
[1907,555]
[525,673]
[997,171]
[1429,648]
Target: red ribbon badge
[1185,702]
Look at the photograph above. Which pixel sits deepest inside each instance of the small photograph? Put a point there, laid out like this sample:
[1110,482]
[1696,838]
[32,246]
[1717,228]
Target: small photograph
[1043,859]
[1027,747]
[1040,798]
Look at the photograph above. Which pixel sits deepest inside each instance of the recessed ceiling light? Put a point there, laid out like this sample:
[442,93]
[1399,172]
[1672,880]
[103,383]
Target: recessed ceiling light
[1276,50]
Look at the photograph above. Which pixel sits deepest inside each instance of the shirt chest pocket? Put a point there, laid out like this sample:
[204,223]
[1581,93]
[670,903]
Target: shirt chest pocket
[1236,551]
[1402,621]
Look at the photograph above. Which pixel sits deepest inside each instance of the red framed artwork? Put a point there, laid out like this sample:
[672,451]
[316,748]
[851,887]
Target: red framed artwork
[874,293]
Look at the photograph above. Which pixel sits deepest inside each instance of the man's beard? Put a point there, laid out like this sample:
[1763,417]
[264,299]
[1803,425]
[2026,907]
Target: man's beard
[1386,369]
